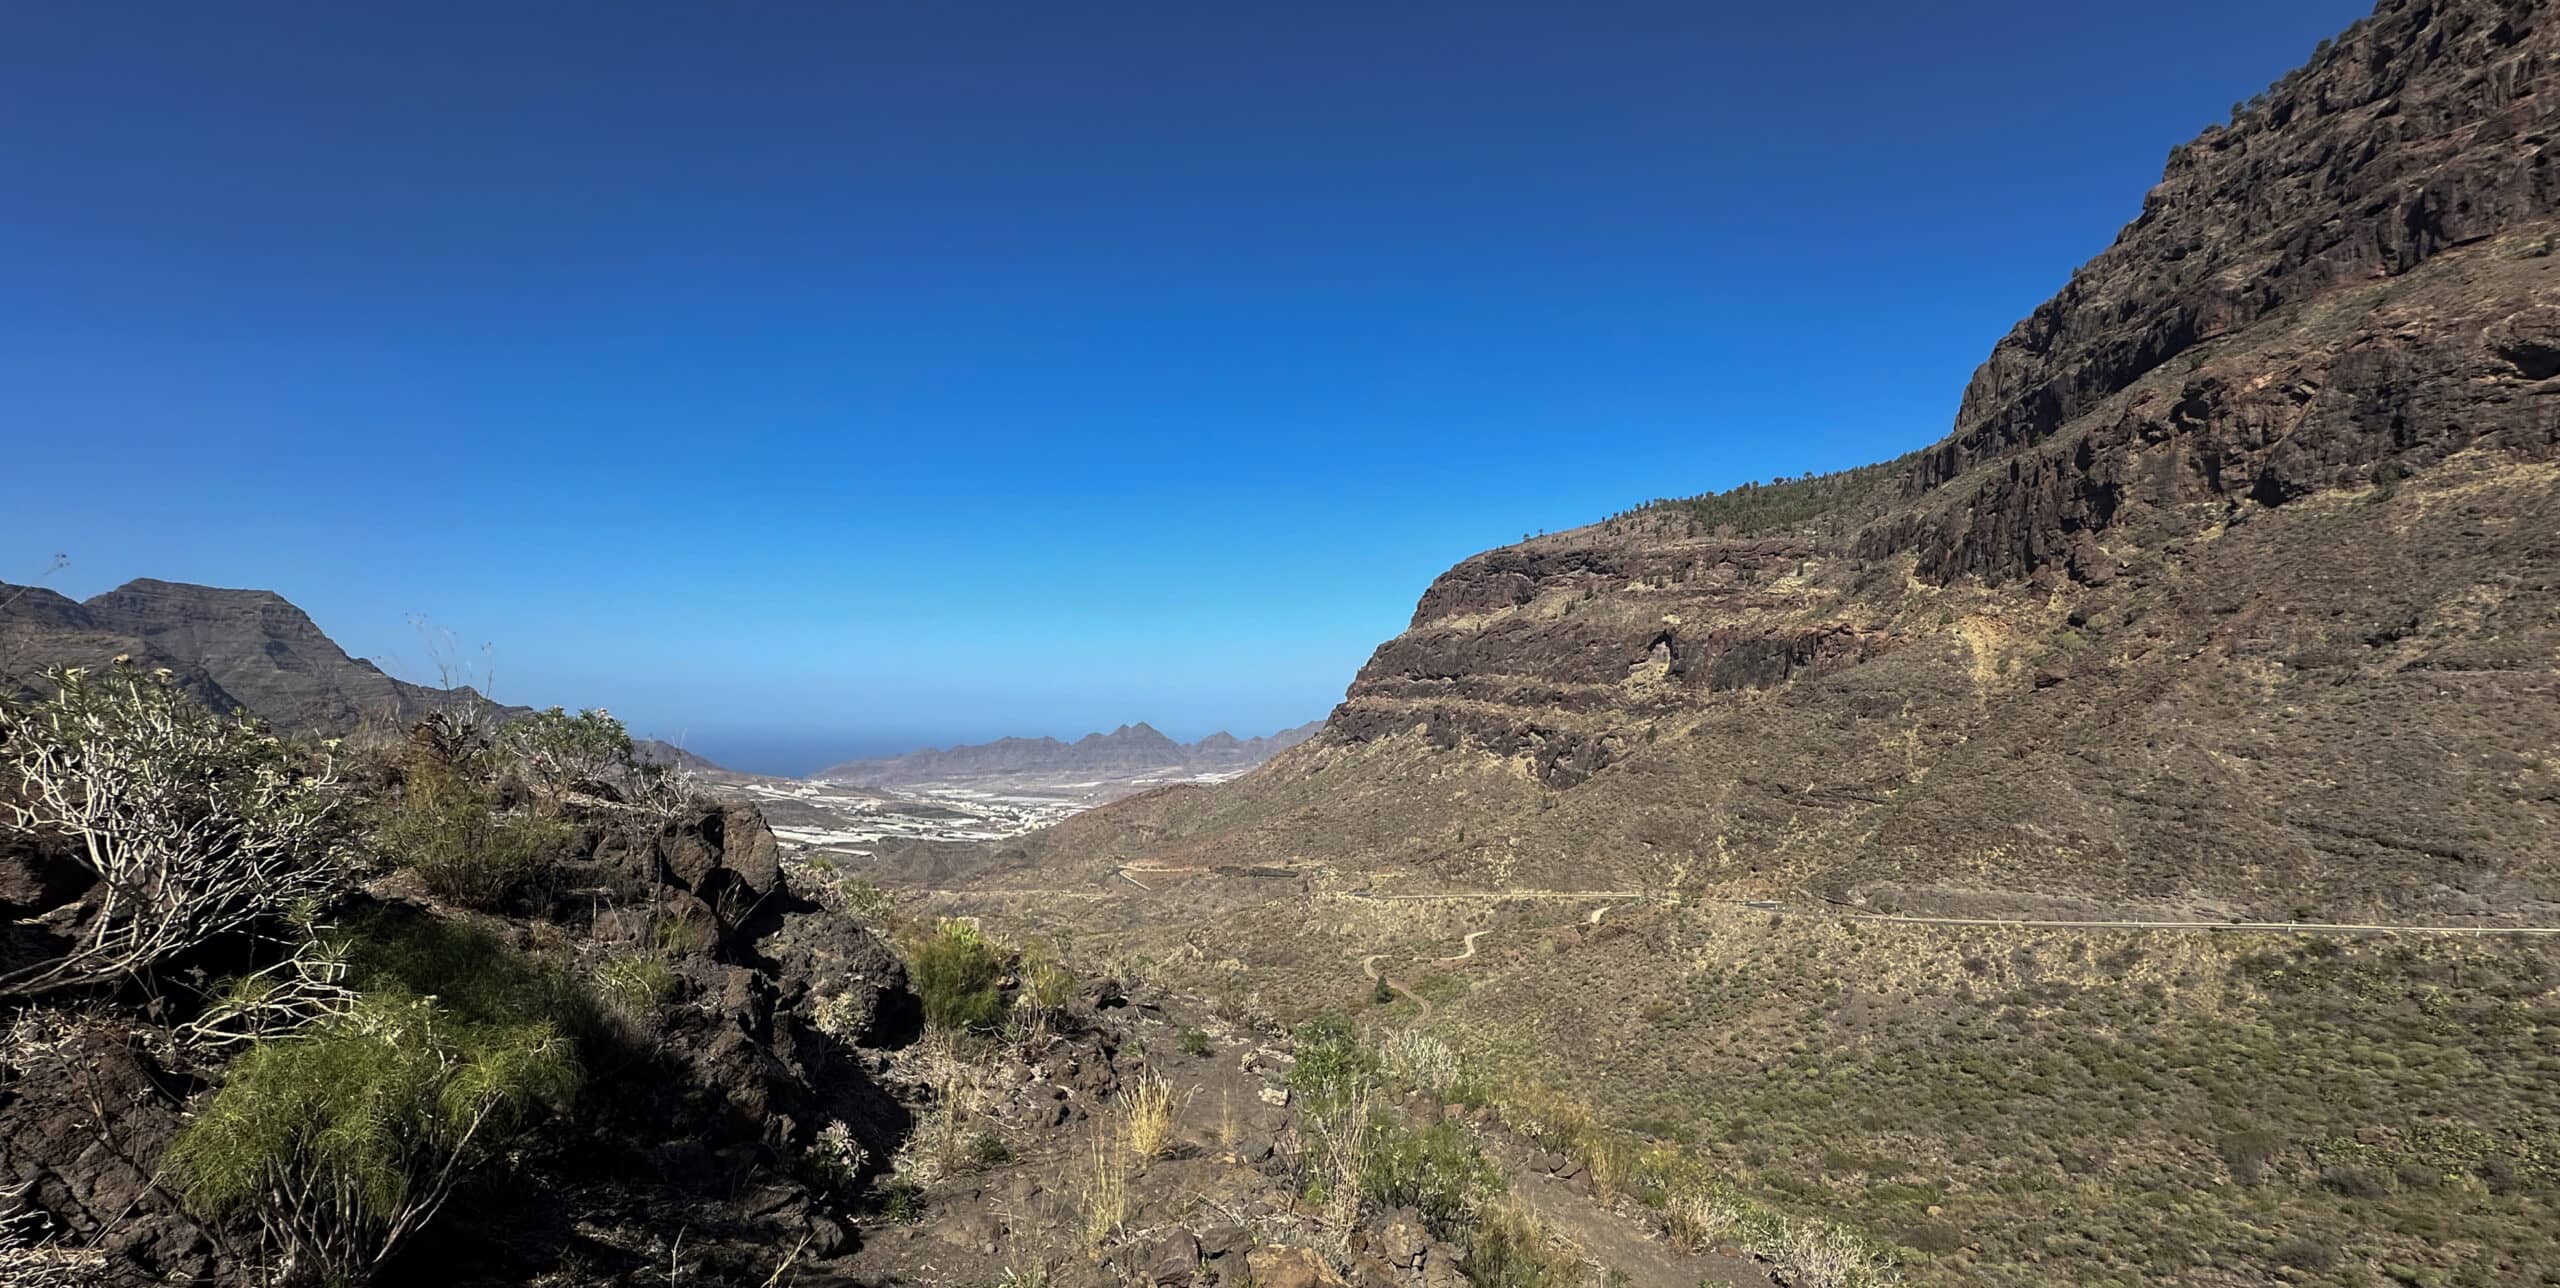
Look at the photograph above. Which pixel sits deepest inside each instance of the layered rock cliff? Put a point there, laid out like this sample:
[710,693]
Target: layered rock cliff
[2235,586]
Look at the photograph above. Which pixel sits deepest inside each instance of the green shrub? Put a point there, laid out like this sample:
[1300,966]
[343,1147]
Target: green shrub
[475,979]
[1436,1170]
[959,976]
[342,1142]
[343,1139]
[1332,1061]
[637,984]
[450,828]
[1194,1042]
[561,753]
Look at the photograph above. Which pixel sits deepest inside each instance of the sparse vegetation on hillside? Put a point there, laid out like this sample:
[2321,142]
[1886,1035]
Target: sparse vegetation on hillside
[2060,1105]
[960,974]
[1779,503]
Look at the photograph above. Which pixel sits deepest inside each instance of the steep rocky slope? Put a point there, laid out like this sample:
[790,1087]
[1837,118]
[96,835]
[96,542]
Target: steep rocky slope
[2234,590]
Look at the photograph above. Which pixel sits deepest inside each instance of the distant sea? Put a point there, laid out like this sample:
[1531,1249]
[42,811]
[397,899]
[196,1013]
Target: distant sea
[797,755]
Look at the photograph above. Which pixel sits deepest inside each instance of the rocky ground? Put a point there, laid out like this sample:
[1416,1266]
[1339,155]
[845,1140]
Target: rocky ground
[679,1154]
[1006,1156]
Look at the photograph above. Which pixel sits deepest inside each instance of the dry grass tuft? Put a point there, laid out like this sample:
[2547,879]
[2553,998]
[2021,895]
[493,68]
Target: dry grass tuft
[1106,1194]
[1148,1110]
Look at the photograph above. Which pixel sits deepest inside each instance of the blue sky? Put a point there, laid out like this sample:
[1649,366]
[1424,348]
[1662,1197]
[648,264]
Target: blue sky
[805,379]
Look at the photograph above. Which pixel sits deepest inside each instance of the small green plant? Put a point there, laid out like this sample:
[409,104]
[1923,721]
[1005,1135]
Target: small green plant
[1194,1042]
[988,1149]
[901,1202]
[637,984]
[1046,987]
[342,1141]
[450,828]
[1436,1170]
[959,975]
[834,1161]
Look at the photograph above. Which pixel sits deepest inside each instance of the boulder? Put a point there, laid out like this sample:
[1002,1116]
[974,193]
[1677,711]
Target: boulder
[1289,1268]
[1175,1260]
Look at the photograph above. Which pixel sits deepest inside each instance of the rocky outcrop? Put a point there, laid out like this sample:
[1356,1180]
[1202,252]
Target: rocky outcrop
[2423,128]
[696,1120]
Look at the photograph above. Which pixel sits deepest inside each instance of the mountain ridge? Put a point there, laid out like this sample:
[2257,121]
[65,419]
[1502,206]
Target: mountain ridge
[235,649]
[1129,750]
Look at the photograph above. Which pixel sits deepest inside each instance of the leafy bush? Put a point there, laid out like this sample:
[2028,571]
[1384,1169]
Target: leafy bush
[1332,1061]
[200,823]
[834,1162]
[562,753]
[959,976]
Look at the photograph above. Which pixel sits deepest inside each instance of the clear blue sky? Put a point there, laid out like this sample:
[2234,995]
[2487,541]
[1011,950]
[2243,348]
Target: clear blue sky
[814,378]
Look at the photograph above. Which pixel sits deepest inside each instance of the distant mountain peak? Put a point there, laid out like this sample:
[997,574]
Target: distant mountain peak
[1137,750]
[233,648]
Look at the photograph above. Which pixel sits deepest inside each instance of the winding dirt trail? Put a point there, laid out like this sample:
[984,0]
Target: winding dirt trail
[1472,937]
[1369,967]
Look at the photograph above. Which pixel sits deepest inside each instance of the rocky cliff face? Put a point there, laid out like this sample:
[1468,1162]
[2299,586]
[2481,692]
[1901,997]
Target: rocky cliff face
[2424,130]
[2236,584]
